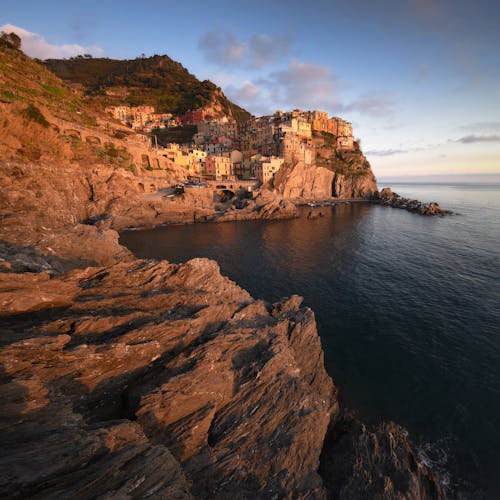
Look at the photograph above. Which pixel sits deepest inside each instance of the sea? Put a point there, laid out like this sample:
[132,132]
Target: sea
[407,306]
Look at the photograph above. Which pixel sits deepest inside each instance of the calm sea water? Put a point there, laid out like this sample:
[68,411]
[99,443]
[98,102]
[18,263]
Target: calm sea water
[408,309]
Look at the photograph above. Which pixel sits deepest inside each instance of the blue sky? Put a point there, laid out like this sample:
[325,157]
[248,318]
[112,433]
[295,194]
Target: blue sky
[419,79]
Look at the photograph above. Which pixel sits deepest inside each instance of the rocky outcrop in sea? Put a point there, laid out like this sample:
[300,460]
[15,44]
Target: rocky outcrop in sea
[387,197]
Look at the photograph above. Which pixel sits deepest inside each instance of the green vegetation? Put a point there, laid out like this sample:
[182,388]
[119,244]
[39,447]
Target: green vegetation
[6,95]
[55,91]
[113,155]
[158,81]
[179,135]
[26,81]
[35,115]
[10,40]
[343,162]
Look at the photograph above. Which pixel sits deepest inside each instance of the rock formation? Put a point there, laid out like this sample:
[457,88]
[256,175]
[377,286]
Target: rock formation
[154,379]
[123,362]
[343,175]
[74,212]
[388,198]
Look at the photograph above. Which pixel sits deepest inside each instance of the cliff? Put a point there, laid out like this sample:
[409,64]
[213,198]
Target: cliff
[154,379]
[336,173]
[67,169]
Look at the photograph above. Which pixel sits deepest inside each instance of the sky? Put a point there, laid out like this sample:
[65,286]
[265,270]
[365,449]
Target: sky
[418,79]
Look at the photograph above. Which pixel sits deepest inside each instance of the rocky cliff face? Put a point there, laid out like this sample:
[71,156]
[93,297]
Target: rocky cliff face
[154,379]
[136,379]
[337,174]
[107,369]
[313,183]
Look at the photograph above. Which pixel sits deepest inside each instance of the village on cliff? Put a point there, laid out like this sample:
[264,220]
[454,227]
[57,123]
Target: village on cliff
[223,149]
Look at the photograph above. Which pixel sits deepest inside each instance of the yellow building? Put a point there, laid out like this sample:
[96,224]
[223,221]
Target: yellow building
[267,167]
[219,167]
[198,158]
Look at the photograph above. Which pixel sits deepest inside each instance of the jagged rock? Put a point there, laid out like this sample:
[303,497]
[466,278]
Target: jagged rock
[177,357]
[360,461]
[388,198]
[387,194]
[145,379]
[302,183]
[125,380]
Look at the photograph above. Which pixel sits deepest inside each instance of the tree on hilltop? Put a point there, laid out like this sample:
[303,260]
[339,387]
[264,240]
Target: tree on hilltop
[11,39]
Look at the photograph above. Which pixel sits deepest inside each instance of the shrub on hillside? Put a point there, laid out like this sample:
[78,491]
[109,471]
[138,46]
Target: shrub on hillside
[33,143]
[33,114]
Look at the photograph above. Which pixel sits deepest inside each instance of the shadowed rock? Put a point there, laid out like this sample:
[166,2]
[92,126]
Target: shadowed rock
[149,378]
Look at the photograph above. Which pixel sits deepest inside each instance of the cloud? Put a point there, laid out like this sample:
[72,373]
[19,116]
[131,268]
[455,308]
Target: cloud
[306,86]
[303,85]
[35,45]
[485,127]
[386,152]
[222,47]
[247,92]
[472,138]
[264,49]
[251,96]
[374,106]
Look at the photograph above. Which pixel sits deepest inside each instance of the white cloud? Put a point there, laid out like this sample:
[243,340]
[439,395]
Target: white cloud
[35,45]
[224,48]
[303,85]
[472,138]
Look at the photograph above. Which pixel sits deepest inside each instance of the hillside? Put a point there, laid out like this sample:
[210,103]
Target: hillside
[158,81]
[36,107]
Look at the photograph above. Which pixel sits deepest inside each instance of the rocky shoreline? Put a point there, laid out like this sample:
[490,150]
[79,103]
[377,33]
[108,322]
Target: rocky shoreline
[148,378]
[388,198]
[128,378]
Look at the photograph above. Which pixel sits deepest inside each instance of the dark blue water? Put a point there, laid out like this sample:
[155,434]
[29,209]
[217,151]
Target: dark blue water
[408,309]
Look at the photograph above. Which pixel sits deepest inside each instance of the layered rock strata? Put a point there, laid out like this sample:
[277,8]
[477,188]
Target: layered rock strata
[126,379]
[149,379]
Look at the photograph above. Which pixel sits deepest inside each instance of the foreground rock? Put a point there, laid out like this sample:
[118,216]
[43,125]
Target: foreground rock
[106,370]
[388,198]
[154,379]
[363,462]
